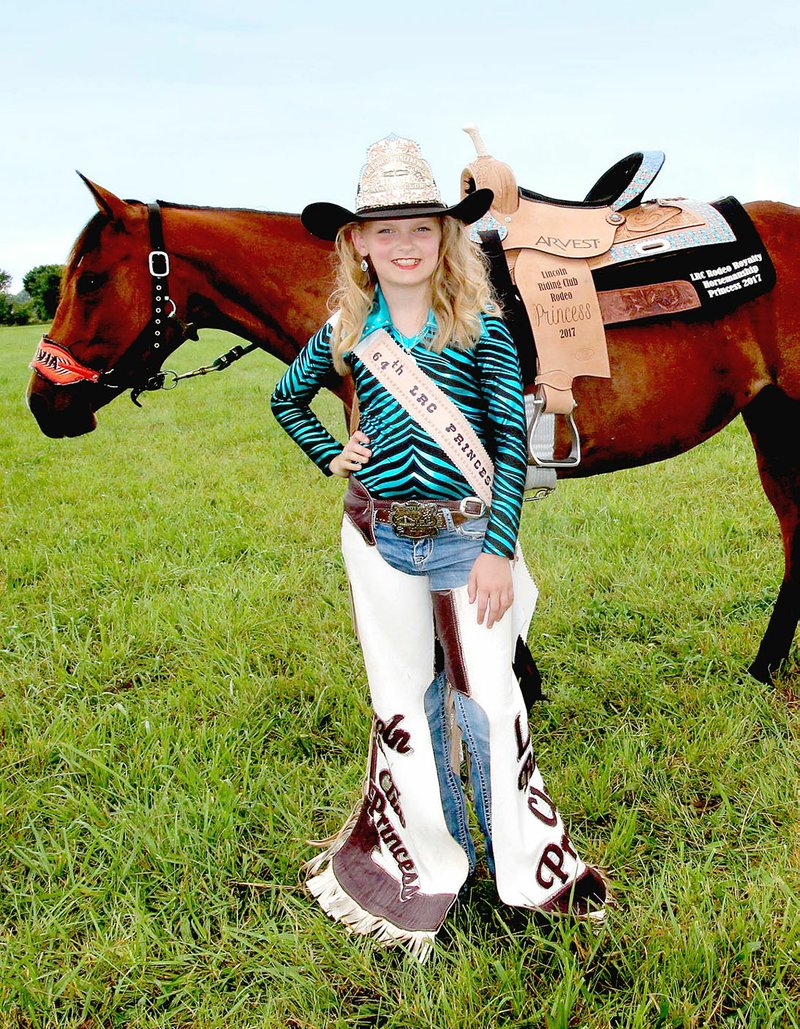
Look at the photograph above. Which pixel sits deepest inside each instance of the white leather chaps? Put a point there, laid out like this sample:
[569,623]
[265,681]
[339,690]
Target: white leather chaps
[398,865]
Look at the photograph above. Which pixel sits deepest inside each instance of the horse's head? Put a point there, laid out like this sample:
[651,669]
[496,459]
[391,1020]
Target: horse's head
[116,319]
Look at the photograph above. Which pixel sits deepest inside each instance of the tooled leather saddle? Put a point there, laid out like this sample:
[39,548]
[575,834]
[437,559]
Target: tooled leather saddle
[566,269]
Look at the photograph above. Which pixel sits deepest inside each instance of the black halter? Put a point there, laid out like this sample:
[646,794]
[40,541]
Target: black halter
[139,367]
[147,350]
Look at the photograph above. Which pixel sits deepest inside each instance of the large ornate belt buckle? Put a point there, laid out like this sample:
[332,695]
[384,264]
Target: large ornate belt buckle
[414,519]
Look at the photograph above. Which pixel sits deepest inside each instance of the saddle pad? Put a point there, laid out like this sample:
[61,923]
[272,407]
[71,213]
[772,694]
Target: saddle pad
[723,275]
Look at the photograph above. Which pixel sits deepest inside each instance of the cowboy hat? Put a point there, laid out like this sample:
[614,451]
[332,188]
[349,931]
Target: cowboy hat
[395,182]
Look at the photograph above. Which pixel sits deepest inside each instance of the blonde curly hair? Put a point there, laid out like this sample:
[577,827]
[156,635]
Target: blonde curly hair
[460,292]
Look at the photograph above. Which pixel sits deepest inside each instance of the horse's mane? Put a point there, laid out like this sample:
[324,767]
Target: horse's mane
[89,238]
[233,210]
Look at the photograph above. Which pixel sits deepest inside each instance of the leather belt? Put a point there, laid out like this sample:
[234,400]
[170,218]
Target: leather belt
[423,519]
[412,519]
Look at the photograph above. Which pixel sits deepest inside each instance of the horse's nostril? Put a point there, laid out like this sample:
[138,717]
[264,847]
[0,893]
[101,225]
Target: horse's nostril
[41,411]
[72,421]
[36,404]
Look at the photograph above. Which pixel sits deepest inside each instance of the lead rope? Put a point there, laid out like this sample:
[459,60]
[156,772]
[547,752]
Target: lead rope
[169,379]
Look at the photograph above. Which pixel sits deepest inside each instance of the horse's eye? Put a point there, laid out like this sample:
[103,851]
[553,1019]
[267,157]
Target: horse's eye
[89,282]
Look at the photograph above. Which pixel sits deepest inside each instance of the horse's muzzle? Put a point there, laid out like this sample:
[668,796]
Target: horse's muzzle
[57,415]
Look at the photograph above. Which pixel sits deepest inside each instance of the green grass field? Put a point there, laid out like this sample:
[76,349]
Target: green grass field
[184,707]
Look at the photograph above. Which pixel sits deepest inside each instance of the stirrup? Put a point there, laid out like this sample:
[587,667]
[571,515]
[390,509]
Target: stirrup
[574,457]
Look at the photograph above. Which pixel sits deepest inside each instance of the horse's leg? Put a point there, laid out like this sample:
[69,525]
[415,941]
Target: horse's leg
[773,419]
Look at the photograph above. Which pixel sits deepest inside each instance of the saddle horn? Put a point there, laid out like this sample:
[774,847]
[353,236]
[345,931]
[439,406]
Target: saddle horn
[486,172]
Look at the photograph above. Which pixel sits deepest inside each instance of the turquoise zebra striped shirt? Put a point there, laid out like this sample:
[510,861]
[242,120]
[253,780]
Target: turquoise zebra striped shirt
[483,382]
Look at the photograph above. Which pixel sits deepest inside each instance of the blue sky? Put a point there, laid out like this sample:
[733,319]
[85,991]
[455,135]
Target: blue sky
[234,105]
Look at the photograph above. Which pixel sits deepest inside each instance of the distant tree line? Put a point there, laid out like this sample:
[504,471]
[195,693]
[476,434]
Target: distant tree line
[39,297]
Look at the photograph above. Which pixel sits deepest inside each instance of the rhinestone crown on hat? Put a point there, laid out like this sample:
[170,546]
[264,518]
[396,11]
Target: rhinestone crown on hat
[395,175]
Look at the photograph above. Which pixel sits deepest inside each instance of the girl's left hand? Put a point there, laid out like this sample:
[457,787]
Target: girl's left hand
[491,585]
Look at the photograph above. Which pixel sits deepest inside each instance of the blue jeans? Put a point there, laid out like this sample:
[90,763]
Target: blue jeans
[447,560]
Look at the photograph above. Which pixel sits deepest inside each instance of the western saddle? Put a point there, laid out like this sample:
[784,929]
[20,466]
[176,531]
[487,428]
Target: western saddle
[546,250]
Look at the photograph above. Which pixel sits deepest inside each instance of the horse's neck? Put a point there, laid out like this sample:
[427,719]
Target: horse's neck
[256,274]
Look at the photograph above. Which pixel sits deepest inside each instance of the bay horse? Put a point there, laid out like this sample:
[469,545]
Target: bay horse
[260,276]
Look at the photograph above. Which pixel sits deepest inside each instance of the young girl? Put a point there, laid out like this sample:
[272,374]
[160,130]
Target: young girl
[428,560]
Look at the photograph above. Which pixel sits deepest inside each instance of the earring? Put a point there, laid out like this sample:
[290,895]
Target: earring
[364,265]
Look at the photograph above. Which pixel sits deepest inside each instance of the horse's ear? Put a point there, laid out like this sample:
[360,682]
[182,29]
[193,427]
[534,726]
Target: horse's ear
[106,201]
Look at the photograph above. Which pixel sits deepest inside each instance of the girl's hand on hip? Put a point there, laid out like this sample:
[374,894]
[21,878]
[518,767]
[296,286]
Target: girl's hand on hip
[490,584]
[353,457]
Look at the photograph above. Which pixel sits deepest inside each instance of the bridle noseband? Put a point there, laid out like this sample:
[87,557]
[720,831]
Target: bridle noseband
[55,362]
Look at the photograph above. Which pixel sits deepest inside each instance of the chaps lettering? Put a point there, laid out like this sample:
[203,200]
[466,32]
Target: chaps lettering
[392,794]
[408,872]
[540,805]
[524,754]
[551,861]
[395,738]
